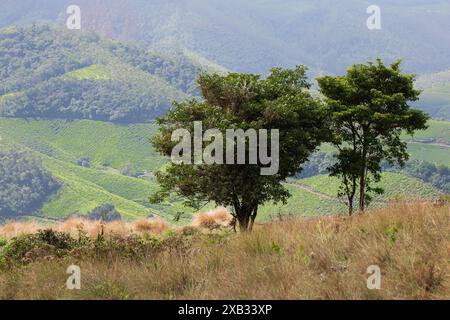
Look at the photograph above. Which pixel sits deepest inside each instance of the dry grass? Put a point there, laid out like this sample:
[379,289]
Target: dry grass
[219,217]
[322,258]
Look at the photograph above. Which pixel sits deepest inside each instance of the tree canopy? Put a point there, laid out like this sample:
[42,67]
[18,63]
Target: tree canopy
[24,185]
[243,101]
[369,109]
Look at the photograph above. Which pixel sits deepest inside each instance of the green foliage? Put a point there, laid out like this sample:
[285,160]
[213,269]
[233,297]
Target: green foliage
[27,248]
[243,101]
[106,213]
[369,112]
[438,176]
[24,185]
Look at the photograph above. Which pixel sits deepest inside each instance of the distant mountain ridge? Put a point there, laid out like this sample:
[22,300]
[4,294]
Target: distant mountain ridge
[50,72]
[254,36]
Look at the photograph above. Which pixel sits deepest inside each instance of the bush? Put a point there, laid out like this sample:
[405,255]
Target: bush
[106,213]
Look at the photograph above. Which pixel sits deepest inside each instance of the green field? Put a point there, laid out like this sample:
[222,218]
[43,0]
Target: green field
[105,144]
[395,185]
[431,145]
[111,147]
[437,129]
[58,144]
[94,72]
[432,153]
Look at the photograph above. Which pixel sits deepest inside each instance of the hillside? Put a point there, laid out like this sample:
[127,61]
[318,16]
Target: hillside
[113,149]
[435,98]
[254,36]
[319,258]
[50,72]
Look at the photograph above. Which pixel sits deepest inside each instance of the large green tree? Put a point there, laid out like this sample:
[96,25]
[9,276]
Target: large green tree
[242,101]
[369,109]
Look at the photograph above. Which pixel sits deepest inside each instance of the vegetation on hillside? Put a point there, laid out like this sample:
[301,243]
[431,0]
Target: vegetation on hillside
[50,72]
[436,94]
[24,185]
[110,147]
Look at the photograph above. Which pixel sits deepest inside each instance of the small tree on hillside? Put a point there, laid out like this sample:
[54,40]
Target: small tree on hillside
[369,110]
[242,101]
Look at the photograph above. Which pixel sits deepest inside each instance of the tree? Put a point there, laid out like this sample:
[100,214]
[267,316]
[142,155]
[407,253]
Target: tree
[242,101]
[369,110]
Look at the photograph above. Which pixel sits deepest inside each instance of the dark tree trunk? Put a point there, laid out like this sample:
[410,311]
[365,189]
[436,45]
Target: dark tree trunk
[245,216]
[362,183]
[362,193]
[244,222]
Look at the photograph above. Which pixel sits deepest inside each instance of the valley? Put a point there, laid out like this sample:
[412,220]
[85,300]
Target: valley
[122,162]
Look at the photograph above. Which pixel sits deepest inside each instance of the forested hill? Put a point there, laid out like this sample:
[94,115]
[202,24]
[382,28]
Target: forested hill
[47,72]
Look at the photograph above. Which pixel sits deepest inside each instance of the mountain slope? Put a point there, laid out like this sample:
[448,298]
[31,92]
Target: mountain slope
[48,72]
[254,36]
[435,98]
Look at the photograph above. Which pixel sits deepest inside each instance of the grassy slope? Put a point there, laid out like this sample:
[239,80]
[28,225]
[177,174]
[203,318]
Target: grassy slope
[396,185]
[93,72]
[437,129]
[59,144]
[104,143]
[321,258]
[435,98]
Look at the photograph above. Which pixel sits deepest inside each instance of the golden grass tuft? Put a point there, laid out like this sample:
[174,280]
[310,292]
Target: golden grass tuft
[154,226]
[219,217]
[15,229]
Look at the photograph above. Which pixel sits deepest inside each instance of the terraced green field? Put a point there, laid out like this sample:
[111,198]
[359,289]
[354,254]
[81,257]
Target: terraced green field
[431,145]
[437,129]
[110,147]
[431,153]
[105,144]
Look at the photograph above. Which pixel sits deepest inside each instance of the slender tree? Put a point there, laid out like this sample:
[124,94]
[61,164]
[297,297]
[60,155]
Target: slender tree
[369,109]
[242,101]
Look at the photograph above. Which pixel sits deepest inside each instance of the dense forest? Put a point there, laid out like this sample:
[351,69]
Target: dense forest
[55,73]
[25,186]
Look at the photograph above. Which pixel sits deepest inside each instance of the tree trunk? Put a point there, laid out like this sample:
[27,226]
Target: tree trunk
[244,221]
[246,215]
[362,193]
[252,217]
[351,196]
[362,183]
